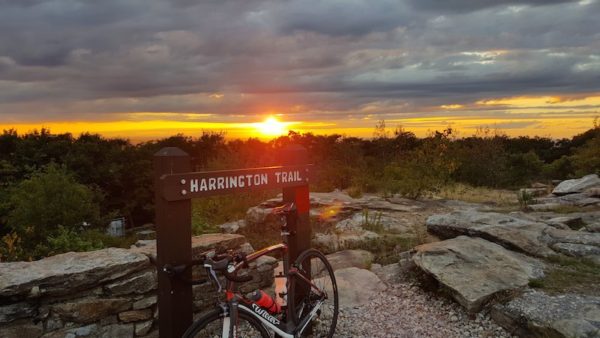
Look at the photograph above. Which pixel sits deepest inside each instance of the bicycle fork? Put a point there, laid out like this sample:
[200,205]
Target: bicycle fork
[230,315]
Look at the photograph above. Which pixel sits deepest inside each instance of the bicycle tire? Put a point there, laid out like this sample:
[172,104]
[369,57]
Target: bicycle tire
[210,325]
[321,274]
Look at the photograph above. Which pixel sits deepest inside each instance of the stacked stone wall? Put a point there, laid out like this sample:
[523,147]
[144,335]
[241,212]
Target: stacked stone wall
[105,293]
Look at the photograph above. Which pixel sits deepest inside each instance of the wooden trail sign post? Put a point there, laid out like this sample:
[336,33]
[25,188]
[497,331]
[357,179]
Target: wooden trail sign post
[175,186]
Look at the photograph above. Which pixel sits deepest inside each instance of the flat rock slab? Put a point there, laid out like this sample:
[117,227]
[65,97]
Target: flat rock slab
[361,259]
[475,270]
[524,235]
[577,185]
[357,286]
[69,272]
[514,233]
[537,314]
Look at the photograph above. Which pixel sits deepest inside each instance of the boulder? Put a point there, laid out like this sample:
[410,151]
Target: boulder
[357,286]
[361,259]
[511,232]
[537,314]
[475,270]
[577,185]
[69,272]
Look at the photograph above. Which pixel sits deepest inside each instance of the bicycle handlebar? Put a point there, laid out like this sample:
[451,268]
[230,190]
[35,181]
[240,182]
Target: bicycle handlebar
[219,263]
[223,265]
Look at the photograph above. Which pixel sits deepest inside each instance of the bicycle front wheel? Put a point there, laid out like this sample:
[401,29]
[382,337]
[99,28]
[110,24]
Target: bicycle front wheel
[303,297]
[210,325]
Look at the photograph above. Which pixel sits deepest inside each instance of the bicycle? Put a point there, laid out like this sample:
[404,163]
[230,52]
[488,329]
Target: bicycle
[310,304]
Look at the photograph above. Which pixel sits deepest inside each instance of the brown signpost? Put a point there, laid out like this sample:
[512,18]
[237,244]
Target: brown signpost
[175,186]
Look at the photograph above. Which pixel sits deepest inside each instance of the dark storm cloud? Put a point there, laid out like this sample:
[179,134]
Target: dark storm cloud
[343,58]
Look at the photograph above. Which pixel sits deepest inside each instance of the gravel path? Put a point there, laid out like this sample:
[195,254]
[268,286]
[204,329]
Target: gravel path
[406,311]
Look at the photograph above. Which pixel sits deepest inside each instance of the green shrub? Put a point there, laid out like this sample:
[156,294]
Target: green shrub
[525,199]
[558,169]
[50,199]
[67,239]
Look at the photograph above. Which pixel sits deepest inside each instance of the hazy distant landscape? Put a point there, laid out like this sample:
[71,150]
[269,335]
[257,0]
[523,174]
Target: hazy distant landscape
[53,184]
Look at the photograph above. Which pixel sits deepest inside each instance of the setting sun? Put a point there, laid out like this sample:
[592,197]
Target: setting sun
[271,127]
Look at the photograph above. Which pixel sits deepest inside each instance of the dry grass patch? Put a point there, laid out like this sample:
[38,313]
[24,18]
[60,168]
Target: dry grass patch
[570,274]
[467,193]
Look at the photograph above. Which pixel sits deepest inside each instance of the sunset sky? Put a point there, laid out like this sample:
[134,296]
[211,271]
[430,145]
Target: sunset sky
[145,69]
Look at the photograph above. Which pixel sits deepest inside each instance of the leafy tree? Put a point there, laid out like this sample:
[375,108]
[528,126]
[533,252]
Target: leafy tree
[48,199]
[482,159]
[425,169]
[586,159]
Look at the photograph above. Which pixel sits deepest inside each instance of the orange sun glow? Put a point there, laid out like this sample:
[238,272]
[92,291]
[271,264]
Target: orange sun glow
[271,127]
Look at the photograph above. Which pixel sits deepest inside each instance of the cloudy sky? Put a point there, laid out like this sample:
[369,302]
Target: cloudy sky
[149,68]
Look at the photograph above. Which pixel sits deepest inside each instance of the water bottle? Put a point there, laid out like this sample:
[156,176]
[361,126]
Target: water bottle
[265,301]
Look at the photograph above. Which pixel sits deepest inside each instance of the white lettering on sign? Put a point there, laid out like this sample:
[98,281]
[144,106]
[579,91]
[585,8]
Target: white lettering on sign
[229,182]
[288,176]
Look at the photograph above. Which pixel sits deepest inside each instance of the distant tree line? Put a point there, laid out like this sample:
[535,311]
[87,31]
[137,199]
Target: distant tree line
[55,187]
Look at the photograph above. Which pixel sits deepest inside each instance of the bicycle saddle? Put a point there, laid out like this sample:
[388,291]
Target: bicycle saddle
[284,209]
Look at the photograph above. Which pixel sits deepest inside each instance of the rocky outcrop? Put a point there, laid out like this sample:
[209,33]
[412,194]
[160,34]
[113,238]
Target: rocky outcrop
[524,235]
[475,270]
[357,286]
[511,232]
[577,185]
[537,314]
[333,207]
[335,241]
[104,293]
